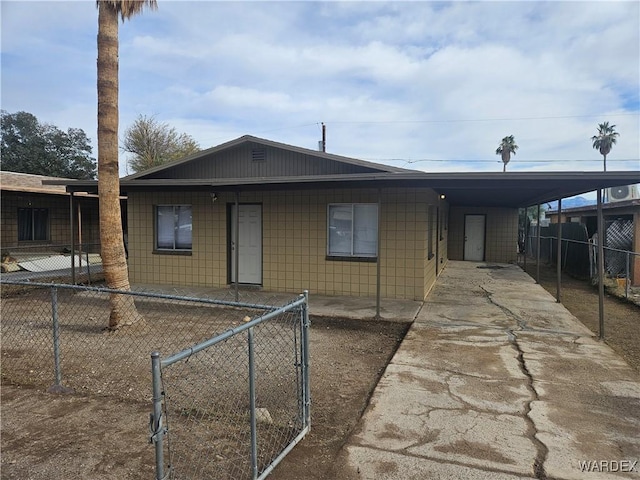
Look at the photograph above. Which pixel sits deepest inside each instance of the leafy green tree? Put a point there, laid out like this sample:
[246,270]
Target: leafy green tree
[505,149]
[114,260]
[153,143]
[605,139]
[29,146]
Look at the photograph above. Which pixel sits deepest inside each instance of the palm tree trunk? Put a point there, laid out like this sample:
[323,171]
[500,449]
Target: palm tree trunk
[605,162]
[123,310]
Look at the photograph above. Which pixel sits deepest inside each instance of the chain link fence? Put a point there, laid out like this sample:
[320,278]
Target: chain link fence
[234,405]
[54,337]
[580,258]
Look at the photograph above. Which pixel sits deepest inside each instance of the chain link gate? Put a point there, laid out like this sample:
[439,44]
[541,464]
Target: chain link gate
[233,406]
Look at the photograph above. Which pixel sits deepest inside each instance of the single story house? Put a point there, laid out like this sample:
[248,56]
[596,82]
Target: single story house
[285,218]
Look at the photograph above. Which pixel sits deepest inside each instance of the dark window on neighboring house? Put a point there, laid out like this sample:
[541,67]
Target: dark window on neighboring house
[33,224]
[173,227]
[353,230]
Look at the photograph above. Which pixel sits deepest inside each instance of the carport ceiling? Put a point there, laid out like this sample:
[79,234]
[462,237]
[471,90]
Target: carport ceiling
[524,189]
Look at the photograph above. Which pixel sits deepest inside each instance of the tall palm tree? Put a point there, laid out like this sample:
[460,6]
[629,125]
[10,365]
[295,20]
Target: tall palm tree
[505,149]
[123,310]
[605,139]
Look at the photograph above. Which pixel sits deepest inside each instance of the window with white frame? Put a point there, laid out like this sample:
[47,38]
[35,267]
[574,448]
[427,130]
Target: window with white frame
[353,230]
[173,227]
[33,224]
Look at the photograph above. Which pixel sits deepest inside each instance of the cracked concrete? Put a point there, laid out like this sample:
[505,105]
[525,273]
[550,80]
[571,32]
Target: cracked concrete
[497,380]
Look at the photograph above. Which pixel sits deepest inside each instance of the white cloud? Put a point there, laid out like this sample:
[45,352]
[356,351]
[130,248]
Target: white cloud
[407,80]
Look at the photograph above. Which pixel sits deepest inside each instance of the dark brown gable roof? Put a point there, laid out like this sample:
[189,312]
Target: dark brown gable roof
[253,157]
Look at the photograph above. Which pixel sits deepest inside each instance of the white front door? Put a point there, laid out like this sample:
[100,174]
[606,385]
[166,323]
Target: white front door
[250,254]
[474,238]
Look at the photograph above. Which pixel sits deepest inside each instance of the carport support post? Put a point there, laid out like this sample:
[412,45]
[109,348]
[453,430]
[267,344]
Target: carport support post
[379,252]
[526,236]
[538,228]
[600,267]
[559,252]
[73,242]
[236,253]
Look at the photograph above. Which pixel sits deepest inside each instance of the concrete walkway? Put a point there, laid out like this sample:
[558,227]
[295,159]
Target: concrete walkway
[359,308]
[497,380]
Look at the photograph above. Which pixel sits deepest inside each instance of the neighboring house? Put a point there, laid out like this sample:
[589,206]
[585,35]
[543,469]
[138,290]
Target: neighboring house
[35,214]
[330,224]
[622,225]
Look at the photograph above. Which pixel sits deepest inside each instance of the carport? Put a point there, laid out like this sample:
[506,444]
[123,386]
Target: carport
[531,190]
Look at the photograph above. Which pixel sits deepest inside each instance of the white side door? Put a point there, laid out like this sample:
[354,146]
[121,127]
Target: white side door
[474,238]
[250,245]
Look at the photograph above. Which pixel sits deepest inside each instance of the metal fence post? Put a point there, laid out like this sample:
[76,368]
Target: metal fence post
[252,407]
[305,361]
[56,337]
[88,269]
[627,276]
[157,431]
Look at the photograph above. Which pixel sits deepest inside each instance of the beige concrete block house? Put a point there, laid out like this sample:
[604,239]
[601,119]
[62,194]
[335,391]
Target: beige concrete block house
[292,218]
[307,220]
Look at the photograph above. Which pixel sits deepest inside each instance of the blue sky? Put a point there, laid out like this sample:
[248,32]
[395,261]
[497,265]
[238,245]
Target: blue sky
[427,85]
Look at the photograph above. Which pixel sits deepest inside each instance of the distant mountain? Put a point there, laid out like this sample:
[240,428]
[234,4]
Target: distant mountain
[570,203]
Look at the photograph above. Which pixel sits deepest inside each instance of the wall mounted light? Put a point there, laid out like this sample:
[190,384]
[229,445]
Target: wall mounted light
[442,196]
[214,197]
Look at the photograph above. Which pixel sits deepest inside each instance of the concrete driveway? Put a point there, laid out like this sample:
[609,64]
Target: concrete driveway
[497,380]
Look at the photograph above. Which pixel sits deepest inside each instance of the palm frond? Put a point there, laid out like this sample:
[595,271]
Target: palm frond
[128,8]
[606,138]
[508,144]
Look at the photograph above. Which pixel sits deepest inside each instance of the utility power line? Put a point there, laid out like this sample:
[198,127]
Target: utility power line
[497,119]
[519,161]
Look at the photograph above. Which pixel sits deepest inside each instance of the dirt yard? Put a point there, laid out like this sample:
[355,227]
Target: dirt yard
[47,436]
